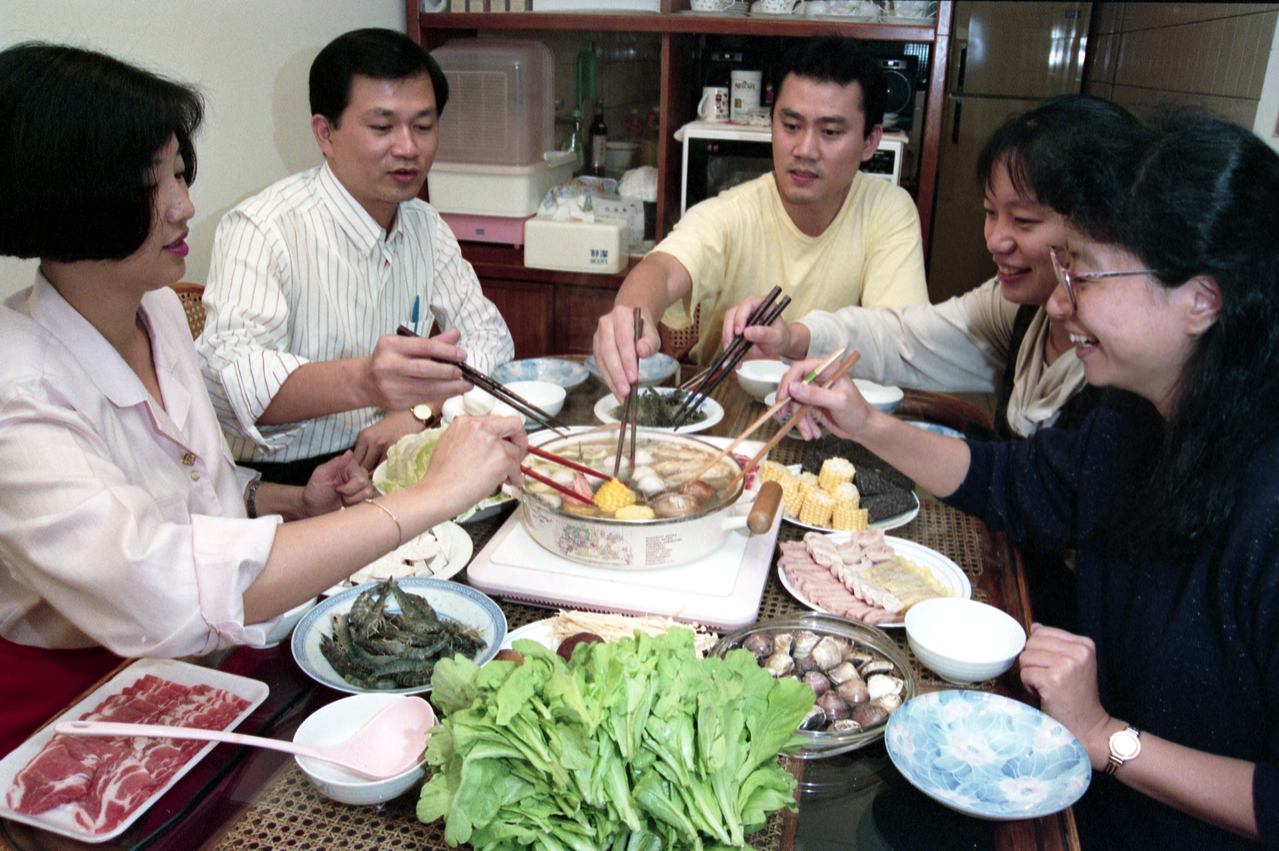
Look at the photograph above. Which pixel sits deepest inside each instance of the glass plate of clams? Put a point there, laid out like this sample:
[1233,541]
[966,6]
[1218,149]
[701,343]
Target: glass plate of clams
[858,673]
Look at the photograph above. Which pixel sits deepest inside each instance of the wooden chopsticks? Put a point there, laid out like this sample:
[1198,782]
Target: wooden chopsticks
[777,406]
[765,313]
[785,429]
[546,480]
[501,391]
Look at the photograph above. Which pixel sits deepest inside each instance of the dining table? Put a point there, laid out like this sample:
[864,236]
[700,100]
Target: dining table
[249,798]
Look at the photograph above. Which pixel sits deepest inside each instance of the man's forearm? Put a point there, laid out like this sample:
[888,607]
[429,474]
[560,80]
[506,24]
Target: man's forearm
[316,389]
[654,285]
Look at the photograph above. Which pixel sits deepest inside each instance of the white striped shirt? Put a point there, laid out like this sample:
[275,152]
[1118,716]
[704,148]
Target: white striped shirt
[301,272]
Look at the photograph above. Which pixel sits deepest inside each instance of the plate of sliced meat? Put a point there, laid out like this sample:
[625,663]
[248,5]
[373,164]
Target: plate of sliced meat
[91,788]
[868,575]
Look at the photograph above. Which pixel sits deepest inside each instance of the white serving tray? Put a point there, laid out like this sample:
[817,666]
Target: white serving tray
[59,820]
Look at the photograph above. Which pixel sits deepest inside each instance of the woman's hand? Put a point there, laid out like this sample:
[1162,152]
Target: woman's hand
[1060,668]
[335,484]
[474,456]
[839,407]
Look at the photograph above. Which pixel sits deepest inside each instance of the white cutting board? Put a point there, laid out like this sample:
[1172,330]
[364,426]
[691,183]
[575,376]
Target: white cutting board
[721,590]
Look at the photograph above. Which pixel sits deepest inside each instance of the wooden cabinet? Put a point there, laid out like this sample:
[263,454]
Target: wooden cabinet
[558,318]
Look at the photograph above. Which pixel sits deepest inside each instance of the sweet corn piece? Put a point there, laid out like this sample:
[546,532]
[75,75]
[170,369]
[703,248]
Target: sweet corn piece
[613,495]
[810,480]
[635,512]
[792,499]
[835,471]
[817,508]
[771,471]
[846,492]
[848,519]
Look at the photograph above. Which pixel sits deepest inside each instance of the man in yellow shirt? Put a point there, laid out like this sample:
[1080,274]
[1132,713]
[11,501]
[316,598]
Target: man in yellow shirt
[827,234]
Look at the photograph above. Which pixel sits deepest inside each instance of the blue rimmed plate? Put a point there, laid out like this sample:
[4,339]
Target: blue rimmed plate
[450,600]
[565,373]
[987,756]
[652,370]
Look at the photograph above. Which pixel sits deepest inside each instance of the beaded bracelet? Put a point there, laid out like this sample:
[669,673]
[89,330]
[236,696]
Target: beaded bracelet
[398,528]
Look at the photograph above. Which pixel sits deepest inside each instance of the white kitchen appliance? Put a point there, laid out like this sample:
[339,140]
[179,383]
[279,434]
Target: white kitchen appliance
[718,156]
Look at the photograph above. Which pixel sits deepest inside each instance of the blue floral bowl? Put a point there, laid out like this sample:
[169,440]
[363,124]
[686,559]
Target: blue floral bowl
[565,373]
[987,756]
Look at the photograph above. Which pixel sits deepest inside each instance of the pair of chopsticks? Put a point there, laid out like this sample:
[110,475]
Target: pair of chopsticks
[777,406]
[765,313]
[501,391]
[796,417]
[630,411]
[572,465]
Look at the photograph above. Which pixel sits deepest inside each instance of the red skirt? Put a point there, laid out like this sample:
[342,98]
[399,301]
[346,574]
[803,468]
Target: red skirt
[37,683]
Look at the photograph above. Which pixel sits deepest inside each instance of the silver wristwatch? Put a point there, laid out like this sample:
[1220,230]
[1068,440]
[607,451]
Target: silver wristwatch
[1124,745]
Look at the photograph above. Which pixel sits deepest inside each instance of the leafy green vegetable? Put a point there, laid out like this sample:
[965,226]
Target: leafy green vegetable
[634,745]
[407,459]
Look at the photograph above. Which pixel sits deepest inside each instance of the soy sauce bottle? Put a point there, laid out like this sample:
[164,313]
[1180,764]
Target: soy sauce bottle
[599,142]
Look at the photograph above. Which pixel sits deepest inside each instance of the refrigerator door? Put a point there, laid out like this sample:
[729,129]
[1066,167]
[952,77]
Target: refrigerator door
[1018,49]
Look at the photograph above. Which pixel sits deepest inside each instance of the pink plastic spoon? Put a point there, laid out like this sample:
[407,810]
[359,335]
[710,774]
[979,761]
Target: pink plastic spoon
[391,742]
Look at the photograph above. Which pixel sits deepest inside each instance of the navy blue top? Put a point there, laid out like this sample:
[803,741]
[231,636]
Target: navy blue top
[1189,654]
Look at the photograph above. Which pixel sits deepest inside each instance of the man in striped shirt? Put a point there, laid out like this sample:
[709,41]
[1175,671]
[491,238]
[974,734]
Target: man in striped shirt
[311,277]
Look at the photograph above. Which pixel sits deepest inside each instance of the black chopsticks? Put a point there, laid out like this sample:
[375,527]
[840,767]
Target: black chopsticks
[630,411]
[764,314]
[501,391]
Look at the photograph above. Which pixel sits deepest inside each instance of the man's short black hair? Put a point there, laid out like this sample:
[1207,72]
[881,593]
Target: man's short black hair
[831,59]
[381,54]
[79,131]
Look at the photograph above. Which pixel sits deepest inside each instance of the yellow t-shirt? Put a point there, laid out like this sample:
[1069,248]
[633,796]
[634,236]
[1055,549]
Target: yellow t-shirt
[742,242]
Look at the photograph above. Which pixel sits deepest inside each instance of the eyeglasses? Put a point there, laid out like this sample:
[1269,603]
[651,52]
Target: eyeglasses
[1068,279]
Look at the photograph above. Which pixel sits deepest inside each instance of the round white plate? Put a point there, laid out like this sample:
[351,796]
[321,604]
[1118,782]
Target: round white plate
[565,373]
[987,756]
[887,523]
[539,631]
[653,370]
[946,572]
[455,543]
[450,600]
[714,412]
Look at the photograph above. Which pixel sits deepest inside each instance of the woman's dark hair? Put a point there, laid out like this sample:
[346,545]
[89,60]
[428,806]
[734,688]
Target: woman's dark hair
[1203,200]
[381,54]
[1040,148]
[79,131]
[831,59]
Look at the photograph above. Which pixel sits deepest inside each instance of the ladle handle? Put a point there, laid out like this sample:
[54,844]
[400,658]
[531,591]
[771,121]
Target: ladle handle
[158,731]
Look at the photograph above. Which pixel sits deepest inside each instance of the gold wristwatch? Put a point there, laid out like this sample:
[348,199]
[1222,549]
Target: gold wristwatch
[423,413]
[1124,745]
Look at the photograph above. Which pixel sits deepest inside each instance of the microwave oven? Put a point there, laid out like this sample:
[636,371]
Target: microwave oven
[720,156]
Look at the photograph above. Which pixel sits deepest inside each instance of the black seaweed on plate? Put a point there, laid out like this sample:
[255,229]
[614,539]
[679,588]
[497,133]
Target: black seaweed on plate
[657,410]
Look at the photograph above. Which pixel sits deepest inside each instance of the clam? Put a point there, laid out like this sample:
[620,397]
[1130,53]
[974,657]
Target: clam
[760,644]
[826,653]
[875,666]
[834,706]
[845,725]
[869,714]
[779,664]
[814,721]
[891,702]
[804,643]
[882,684]
[842,673]
[782,642]
[818,682]
[854,691]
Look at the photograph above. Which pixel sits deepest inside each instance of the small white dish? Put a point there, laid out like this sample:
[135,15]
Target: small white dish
[880,396]
[335,723]
[652,370]
[987,756]
[713,410]
[760,377]
[544,394]
[963,641]
[566,373]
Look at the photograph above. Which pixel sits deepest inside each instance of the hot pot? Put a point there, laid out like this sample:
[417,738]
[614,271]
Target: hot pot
[628,544]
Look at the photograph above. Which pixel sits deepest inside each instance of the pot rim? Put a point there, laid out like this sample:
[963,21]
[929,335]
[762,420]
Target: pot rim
[727,504]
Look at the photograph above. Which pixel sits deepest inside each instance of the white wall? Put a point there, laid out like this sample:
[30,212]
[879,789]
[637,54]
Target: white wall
[250,58]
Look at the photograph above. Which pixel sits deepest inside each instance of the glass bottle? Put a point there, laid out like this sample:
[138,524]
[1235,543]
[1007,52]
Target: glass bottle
[599,142]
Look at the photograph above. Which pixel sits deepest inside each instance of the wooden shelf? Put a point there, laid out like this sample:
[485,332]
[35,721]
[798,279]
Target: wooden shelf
[551,322]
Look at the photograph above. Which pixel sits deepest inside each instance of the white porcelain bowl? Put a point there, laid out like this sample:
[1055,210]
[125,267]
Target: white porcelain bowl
[544,394]
[884,398]
[288,620]
[963,641]
[336,723]
[760,377]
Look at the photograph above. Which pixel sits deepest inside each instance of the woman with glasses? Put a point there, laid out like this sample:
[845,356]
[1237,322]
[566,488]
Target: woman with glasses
[125,527]
[1169,288]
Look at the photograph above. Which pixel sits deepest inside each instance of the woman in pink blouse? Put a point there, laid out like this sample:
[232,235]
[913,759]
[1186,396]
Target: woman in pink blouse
[123,522]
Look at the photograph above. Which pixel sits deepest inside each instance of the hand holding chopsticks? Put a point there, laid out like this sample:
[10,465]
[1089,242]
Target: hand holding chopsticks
[500,391]
[796,417]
